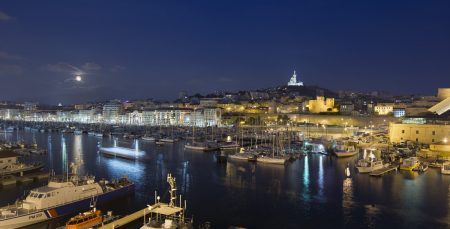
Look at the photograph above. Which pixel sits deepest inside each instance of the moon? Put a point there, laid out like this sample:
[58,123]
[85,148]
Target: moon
[78,78]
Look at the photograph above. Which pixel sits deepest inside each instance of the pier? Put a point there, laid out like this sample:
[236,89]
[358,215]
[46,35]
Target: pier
[382,171]
[126,219]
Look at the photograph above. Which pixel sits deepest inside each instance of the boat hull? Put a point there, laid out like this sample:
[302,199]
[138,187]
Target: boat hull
[346,153]
[369,169]
[70,208]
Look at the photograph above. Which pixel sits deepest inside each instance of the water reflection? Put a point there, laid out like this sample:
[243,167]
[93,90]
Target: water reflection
[347,199]
[77,154]
[64,163]
[118,168]
[50,152]
[320,181]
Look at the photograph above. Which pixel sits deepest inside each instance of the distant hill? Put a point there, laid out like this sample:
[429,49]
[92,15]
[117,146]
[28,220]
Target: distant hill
[309,91]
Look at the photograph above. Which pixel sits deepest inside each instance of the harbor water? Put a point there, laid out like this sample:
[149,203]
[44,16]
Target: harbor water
[311,192]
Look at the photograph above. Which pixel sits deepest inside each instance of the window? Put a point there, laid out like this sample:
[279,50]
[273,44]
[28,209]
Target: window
[432,140]
[403,131]
[417,140]
[433,132]
[417,132]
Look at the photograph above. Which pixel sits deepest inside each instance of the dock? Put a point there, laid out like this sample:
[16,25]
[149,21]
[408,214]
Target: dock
[13,180]
[126,219]
[382,171]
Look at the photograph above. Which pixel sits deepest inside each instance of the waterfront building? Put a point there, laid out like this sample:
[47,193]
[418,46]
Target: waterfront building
[135,118]
[293,81]
[112,111]
[11,113]
[86,116]
[418,130]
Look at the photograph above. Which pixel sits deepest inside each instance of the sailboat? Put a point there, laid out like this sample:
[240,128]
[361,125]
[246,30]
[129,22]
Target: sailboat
[274,158]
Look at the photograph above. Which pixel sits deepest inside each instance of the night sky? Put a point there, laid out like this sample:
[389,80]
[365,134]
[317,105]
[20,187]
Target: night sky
[155,49]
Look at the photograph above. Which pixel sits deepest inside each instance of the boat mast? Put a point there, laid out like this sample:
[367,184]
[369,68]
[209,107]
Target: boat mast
[172,190]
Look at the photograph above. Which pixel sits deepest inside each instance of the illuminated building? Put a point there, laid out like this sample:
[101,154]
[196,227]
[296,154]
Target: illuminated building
[346,108]
[414,131]
[384,108]
[399,112]
[320,104]
[111,112]
[293,81]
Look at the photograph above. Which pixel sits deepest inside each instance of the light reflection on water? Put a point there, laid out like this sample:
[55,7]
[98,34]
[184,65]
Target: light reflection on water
[302,194]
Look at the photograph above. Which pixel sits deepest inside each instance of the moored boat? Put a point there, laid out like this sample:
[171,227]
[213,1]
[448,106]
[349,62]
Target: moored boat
[368,165]
[410,164]
[62,196]
[445,169]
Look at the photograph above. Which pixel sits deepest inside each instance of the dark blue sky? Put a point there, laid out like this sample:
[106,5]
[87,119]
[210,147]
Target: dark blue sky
[144,49]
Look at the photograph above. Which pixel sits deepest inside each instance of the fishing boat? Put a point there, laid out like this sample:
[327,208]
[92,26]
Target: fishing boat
[410,164]
[343,150]
[167,215]
[62,196]
[445,169]
[368,165]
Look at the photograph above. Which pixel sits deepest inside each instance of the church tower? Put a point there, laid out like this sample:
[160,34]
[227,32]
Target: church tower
[293,81]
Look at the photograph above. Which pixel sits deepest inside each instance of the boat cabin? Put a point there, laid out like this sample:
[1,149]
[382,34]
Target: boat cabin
[7,158]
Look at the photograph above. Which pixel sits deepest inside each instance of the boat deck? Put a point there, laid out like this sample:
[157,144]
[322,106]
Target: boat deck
[126,219]
[382,171]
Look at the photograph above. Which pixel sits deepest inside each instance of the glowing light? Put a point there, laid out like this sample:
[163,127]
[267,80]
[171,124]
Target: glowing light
[78,78]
